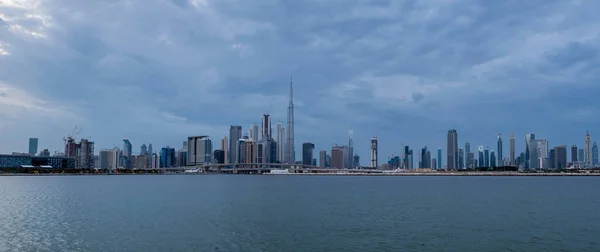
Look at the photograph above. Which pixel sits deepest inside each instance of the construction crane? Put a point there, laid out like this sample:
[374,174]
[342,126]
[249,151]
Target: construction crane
[71,137]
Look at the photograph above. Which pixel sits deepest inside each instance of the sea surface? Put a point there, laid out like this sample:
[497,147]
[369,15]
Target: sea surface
[299,213]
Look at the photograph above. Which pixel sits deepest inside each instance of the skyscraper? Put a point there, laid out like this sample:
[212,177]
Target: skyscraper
[374,150]
[595,154]
[581,155]
[560,157]
[452,150]
[574,154]
[307,153]
[167,157]
[33,146]
[266,127]
[439,159]
[351,149]
[235,134]
[486,156]
[512,149]
[225,149]
[322,159]
[528,138]
[254,135]
[280,138]
[127,154]
[199,150]
[500,157]
[542,150]
[469,156]
[337,157]
[481,157]
[493,159]
[290,150]
[144,150]
[588,149]
[461,159]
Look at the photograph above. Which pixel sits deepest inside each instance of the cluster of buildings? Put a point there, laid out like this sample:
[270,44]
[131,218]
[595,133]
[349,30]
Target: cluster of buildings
[537,156]
[265,146]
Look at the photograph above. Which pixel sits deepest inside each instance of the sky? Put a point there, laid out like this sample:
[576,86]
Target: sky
[158,71]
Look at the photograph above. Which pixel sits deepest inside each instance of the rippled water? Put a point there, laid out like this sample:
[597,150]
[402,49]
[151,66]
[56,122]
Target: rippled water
[299,213]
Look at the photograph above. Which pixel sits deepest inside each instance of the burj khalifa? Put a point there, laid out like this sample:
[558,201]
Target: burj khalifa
[290,151]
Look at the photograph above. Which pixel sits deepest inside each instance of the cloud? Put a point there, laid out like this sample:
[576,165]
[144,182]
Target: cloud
[158,71]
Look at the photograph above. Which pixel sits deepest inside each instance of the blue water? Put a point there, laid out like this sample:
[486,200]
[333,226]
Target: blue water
[299,213]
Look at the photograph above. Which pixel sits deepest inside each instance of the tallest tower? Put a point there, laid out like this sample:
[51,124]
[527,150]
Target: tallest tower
[290,150]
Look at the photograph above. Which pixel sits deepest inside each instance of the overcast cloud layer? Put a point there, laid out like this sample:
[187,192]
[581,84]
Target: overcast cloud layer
[157,71]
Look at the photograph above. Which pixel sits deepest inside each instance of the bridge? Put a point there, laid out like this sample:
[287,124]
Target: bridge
[261,168]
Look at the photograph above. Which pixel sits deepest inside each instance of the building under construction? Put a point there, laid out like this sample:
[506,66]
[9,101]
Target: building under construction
[82,152]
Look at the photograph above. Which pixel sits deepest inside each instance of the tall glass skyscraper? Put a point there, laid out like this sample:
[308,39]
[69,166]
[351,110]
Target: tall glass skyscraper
[452,150]
[235,134]
[439,158]
[33,146]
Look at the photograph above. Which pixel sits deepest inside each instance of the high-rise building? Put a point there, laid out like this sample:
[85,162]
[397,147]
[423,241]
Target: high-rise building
[280,138]
[461,158]
[85,154]
[219,156]
[481,157]
[266,127]
[424,161]
[322,159]
[225,149]
[290,150]
[144,150]
[595,155]
[33,146]
[109,159]
[337,157]
[452,150]
[528,143]
[492,159]
[439,159]
[181,159]
[307,153]
[574,154]
[150,151]
[268,151]
[254,136]
[512,149]
[469,156]
[250,155]
[235,134]
[167,157]
[486,156]
[199,150]
[356,161]
[351,163]
[374,150]
[560,157]
[531,152]
[500,147]
[581,155]
[127,154]
[588,149]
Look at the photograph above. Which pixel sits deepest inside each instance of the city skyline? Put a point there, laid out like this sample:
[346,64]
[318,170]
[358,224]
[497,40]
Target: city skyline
[149,84]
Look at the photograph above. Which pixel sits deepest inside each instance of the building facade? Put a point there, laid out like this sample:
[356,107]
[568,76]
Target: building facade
[307,153]
[199,150]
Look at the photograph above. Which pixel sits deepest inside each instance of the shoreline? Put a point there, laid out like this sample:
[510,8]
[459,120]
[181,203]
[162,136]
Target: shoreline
[398,174]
